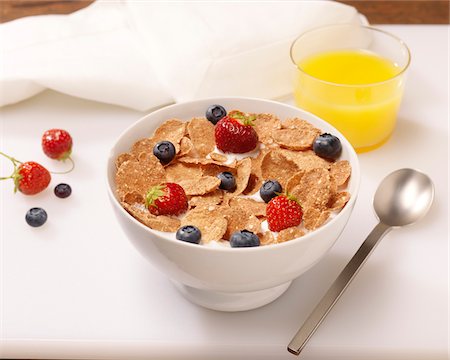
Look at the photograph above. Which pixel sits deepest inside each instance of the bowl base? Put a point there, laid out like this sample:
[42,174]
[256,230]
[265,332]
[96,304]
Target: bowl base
[225,301]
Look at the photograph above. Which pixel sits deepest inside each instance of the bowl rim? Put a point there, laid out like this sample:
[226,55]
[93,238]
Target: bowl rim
[355,176]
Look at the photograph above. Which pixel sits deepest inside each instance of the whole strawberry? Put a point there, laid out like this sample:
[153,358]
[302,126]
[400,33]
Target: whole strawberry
[283,212]
[235,133]
[166,199]
[57,144]
[29,177]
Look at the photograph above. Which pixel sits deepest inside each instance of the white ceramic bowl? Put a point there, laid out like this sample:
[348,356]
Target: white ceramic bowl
[230,279]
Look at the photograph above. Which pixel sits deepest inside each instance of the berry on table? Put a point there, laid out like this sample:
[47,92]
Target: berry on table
[63,190]
[164,151]
[244,238]
[283,212]
[57,144]
[235,133]
[227,181]
[327,146]
[36,217]
[214,113]
[189,233]
[269,190]
[166,199]
[29,177]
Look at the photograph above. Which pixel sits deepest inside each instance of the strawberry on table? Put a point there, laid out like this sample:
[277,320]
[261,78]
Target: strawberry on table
[166,199]
[29,177]
[57,144]
[283,212]
[234,133]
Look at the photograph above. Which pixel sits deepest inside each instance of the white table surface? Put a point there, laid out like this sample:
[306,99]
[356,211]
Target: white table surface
[76,288]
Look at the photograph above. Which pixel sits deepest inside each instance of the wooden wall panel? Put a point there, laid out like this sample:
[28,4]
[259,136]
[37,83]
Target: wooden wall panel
[377,11]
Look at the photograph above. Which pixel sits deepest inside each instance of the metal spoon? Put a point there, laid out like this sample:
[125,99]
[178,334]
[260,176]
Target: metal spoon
[402,198]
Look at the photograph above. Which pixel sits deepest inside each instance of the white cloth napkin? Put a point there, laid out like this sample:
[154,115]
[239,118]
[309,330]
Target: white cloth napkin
[143,54]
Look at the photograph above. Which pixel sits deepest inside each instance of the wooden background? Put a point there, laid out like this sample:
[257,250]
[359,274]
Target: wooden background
[377,11]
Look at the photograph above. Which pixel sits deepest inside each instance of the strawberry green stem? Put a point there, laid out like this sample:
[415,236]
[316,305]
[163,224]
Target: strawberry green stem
[14,162]
[292,197]
[245,119]
[153,194]
[68,171]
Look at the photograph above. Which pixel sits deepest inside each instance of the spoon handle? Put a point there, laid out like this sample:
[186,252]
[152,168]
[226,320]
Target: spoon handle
[335,291]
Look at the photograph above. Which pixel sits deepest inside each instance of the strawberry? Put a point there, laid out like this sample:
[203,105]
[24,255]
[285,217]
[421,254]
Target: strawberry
[283,212]
[29,177]
[166,199]
[235,133]
[57,144]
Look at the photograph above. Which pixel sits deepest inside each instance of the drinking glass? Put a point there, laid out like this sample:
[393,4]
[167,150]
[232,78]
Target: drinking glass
[365,112]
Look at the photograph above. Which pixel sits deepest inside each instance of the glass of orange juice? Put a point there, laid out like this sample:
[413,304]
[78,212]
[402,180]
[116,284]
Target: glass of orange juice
[353,77]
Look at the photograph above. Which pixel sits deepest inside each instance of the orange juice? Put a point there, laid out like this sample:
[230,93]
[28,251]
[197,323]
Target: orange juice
[357,91]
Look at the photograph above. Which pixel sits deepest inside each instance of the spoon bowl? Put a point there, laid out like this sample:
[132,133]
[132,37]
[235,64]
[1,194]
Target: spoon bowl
[403,197]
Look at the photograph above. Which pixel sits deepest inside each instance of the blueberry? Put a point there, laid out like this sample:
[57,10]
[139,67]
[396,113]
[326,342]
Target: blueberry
[244,238]
[63,190]
[36,217]
[327,146]
[269,190]
[227,181]
[189,233]
[214,113]
[164,151]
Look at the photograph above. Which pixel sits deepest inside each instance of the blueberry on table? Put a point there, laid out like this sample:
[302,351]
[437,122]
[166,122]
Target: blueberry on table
[164,151]
[36,217]
[327,146]
[63,190]
[214,113]
[244,238]
[269,190]
[189,233]
[227,181]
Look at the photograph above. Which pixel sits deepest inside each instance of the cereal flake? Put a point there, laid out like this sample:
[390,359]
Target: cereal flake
[211,223]
[201,133]
[313,218]
[138,175]
[161,222]
[265,125]
[218,157]
[172,130]
[200,186]
[275,166]
[289,234]
[313,189]
[243,170]
[267,238]
[340,171]
[256,208]
[122,158]
[212,198]
[176,172]
[338,200]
